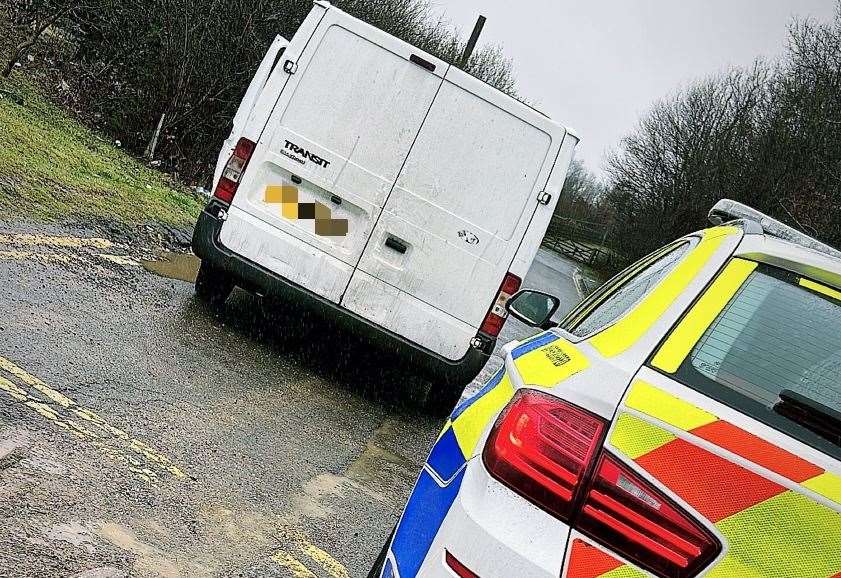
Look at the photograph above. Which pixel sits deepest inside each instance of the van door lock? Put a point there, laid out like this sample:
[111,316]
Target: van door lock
[290,67]
[544,198]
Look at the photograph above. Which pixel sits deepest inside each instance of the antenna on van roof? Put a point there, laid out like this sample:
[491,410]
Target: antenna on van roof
[471,44]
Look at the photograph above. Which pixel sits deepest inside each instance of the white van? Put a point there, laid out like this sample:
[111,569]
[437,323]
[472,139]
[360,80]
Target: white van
[383,187]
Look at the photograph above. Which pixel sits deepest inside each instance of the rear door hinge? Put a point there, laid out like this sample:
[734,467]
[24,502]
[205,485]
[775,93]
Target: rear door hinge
[290,67]
[544,198]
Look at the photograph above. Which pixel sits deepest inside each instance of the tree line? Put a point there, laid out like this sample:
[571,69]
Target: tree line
[768,135]
[131,65]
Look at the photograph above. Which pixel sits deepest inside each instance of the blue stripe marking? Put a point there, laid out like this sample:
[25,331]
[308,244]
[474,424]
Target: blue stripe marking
[494,381]
[425,512]
[388,572]
[533,344]
[446,457]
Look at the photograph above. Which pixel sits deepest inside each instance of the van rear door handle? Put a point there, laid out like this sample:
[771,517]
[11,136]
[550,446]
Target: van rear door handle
[395,244]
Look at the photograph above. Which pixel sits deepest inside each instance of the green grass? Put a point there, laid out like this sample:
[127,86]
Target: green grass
[52,168]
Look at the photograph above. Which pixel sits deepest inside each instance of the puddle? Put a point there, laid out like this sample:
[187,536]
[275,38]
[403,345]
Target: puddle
[12,449]
[370,464]
[74,533]
[12,441]
[182,266]
[150,560]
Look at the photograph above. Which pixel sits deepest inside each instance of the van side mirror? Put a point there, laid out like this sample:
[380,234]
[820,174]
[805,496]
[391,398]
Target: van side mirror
[533,308]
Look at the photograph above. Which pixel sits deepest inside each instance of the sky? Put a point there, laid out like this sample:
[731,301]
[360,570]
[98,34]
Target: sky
[598,65]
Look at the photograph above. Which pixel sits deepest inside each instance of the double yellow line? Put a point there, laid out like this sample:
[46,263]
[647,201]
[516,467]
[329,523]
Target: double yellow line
[84,424]
[315,555]
[26,247]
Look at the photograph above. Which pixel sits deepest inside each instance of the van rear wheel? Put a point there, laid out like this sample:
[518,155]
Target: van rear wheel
[213,286]
[442,398]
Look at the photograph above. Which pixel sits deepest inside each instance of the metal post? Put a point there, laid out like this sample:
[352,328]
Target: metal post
[471,44]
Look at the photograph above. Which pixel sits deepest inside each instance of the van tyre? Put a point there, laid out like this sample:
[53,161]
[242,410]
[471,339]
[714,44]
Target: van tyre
[213,286]
[442,398]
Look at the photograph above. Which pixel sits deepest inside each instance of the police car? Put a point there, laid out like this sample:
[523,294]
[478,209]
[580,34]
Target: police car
[684,420]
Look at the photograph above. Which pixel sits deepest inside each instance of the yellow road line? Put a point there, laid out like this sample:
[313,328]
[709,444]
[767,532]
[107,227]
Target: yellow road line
[323,559]
[61,411]
[120,260]
[54,241]
[33,256]
[293,564]
[13,390]
[332,566]
[28,379]
[36,248]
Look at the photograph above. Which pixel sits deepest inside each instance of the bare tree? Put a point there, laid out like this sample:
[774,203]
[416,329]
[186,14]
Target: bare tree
[581,195]
[178,68]
[769,136]
[37,17]
[688,151]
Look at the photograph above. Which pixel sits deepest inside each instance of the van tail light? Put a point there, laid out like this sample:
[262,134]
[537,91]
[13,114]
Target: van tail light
[495,318]
[549,451]
[234,168]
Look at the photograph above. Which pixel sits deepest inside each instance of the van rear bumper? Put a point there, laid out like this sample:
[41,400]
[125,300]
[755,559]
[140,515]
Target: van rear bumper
[255,278]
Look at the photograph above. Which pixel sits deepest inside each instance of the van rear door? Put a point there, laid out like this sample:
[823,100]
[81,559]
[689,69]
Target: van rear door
[331,151]
[456,217]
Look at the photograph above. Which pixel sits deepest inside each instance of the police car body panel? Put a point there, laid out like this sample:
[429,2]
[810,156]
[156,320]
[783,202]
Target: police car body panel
[691,463]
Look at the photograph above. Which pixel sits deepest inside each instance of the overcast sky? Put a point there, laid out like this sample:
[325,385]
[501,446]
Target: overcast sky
[597,65]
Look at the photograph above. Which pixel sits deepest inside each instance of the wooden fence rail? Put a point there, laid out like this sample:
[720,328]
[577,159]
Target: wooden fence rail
[581,241]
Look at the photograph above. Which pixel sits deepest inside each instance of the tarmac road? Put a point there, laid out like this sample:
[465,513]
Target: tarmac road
[142,436]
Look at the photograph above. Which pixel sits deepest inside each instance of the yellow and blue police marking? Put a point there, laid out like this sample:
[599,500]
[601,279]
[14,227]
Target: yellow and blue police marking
[434,493]
[467,403]
[440,479]
[533,343]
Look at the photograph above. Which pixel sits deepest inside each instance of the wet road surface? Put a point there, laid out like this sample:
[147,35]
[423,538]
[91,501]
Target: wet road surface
[140,435]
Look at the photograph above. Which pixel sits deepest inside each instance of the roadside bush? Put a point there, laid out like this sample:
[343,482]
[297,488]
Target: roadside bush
[128,64]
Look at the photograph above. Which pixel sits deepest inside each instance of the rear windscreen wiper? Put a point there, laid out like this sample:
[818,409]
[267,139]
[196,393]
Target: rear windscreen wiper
[819,418]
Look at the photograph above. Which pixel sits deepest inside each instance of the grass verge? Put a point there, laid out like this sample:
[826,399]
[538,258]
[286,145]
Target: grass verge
[54,169]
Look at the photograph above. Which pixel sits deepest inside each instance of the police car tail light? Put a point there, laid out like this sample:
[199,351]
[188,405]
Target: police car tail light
[550,452]
[235,167]
[542,448]
[460,569]
[495,318]
[633,518]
